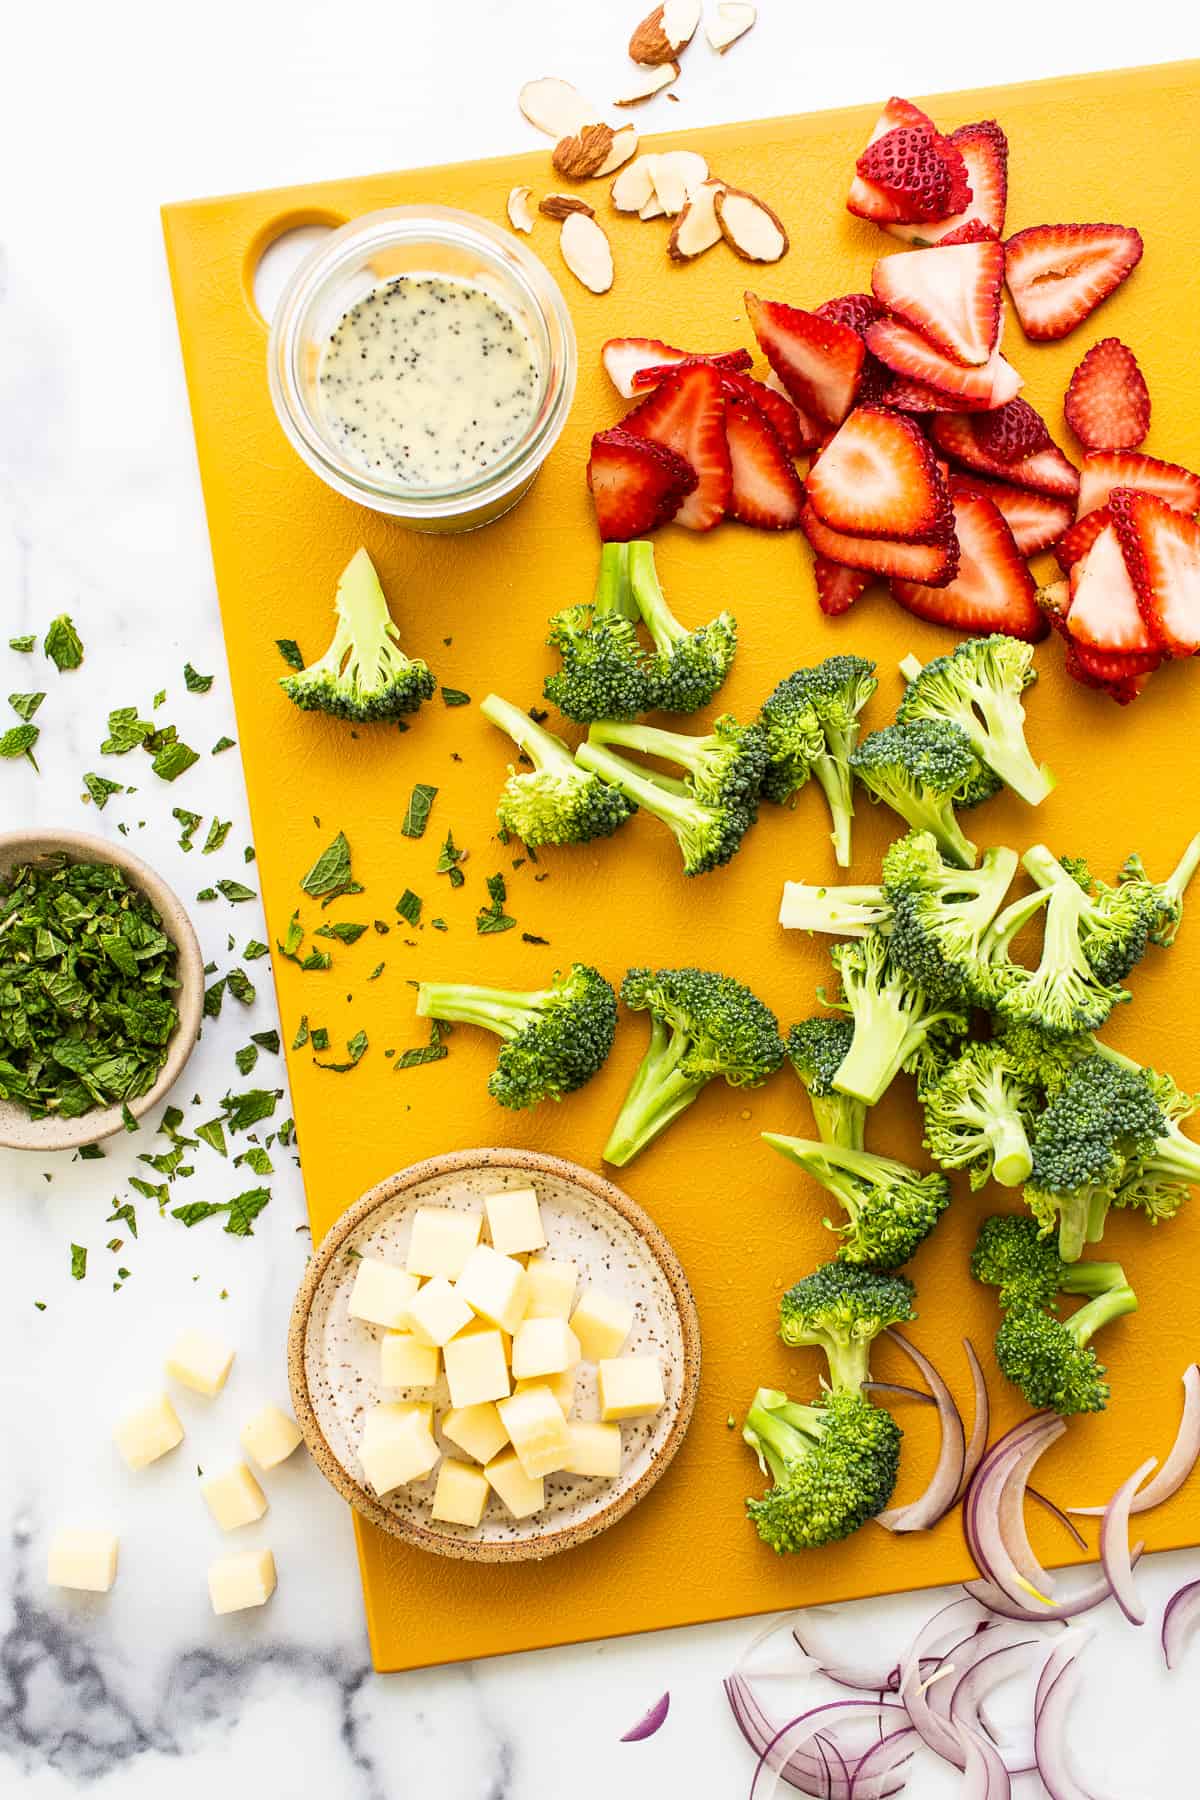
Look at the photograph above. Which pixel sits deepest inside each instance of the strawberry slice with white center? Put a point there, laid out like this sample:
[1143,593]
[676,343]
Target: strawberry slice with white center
[866,200]
[1107,404]
[767,492]
[993,589]
[1037,521]
[796,432]
[950,294]
[636,485]
[819,361]
[918,172]
[1092,669]
[1047,471]
[1058,274]
[686,412]
[878,477]
[858,311]
[1104,470]
[1162,553]
[728,361]
[984,150]
[929,563]
[1104,613]
[625,358]
[909,353]
[838,587]
[1076,543]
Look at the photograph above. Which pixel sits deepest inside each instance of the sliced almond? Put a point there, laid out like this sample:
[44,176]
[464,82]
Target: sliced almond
[697,228]
[652,81]
[653,209]
[555,107]
[624,144]
[634,186]
[520,213]
[561,206]
[677,175]
[584,154]
[587,252]
[749,226]
[733,20]
[666,31]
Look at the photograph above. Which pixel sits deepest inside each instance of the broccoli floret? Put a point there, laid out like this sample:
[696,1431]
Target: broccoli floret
[364,675]
[839,911]
[1166,896]
[555,802]
[1114,923]
[978,1115]
[895,1022]
[555,1039]
[835,692]
[816,1049]
[890,1209]
[701,1025]
[939,913]
[1159,1183]
[1103,1119]
[1012,1254]
[1064,995]
[834,1466]
[842,1309]
[978,687]
[1039,1060]
[688,666]
[711,808]
[1050,1360]
[922,772]
[606,672]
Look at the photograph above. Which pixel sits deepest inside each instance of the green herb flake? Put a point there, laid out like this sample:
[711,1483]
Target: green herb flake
[25,705]
[188,821]
[214,998]
[342,930]
[433,1051]
[376,972]
[439,924]
[222,743]
[449,858]
[409,906]
[125,731]
[246,1058]
[235,891]
[256,1160]
[290,651]
[213,1134]
[455,697]
[254,949]
[416,813]
[90,1153]
[208,893]
[173,760]
[331,876]
[63,645]
[160,699]
[99,789]
[266,1040]
[493,918]
[23,644]
[19,740]
[124,1215]
[293,938]
[301,1037]
[241,986]
[320,1038]
[195,683]
[317,960]
[241,1111]
[218,831]
[529,937]
[78,1262]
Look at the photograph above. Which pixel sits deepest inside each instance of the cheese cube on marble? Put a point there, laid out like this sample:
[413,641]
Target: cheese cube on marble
[551,1284]
[543,1347]
[479,1430]
[601,1323]
[404,1361]
[477,1368]
[86,1560]
[561,1386]
[244,1579]
[595,1449]
[630,1387]
[522,1494]
[515,1221]
[495,1287]
[270,1437]
[534,1422]
[235,1498]
[441,1241]
[398,1451]
[149,1432]
[381,1294]
[461,1494]
[438,1312]
[200,1362]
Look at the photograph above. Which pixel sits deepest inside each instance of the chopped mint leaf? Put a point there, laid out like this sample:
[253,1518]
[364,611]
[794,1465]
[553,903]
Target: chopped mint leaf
[213,1134]
[320,1038]
[330,876]
[293,940]
[63,645]
[218,831]
[124,1215]
[78,1262]
[416,813]
[266,1040]
[189,822]
[90,1153]
[196,684]
[172,761]
[159,699]
[409,906]
[528,937]
[207,894]
[376,972]
[254,949]
[214,997]
[125,731]
[241,1111]
[255,1159]
[23,644]
[290,651]
[246,1058]
[100,789]
[342,930]
[439,924]
[455,697]
[433,1051]
[223,743]
[301,1037]
[493,918]
[19,740]
[449,858]
[236,890]
[25,705]
[127,1118]
[241,986]
[317,959]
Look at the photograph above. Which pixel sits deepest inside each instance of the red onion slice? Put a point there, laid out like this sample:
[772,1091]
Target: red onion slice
[940,1737]
[1114,1545]
[990,1513]
[1181,1458]
[986,1594]
[923,1513]
[984,1774]
[882,1762]
[980,1423]
[898,1391]
[1056,1512]
[1011,1517]
[807,1770]
[1050,1735]
[651,1721]
[775,1758]
[840,1669]
[1179,1622]
[976,1682]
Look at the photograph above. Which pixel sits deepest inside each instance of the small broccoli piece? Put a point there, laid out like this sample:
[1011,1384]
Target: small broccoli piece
[978,1115]
[1114,923]
[816,1049]
[978,687]
[1159,1183]
[890,1209]
[1050,1359]
[555,1039]
[834,1466]
[939,913]
[896,1023]
[364,675]
[606,672]
[1166,896]
[842,1309]
[555,802]
[688,666]
[839,911]
[835,692]
[1103,1120]
[1012,1254]
[1038,1060]
[702,1026]
[922,772]
[1064,995]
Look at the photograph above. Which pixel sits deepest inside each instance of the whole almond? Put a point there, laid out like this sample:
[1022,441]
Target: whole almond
[558,206]
[585,154]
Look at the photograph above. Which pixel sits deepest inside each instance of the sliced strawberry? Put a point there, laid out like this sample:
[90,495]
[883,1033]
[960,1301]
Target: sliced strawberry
[1046,471]
[929,563]
[635,484]
[1108,403]
[625,358]
[878,477]
[838,587]
[919,397]
[1162,553]
[984,150]
[1104,470]
[1078,541]
[1058,274]
[796,433]
[1037,521]
[819,361]
[858,311]
[993,589]
[1012,431]
[920,173]
[1107,667]
[910,354]
[767,492]
[950,294]
[725,360]
[870,202]
[1091,669]
[1104,611]
[687,414]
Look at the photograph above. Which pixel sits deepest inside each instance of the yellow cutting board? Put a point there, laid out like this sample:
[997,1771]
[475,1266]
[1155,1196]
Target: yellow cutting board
[1108,147]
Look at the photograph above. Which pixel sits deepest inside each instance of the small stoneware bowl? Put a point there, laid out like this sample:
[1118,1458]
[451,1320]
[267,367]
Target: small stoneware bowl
[17,1130]
[333,1360]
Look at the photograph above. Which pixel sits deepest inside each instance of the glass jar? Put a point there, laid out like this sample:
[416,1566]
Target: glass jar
[420,241]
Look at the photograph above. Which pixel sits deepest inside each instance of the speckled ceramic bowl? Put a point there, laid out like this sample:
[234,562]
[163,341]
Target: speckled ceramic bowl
[333,1360]
[17,1130]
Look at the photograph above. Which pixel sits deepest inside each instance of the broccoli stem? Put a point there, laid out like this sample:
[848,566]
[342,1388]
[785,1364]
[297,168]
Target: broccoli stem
[1045,868]
[840,1120]
[1091,1278]
[911,667]
[544,750]
[678,747]
[657,1096]
[1178,881]
[613,593]
[493,1009]
[837,911]
[670,803]
[1084,1324]
[1004,749]
[780,1431]
[836,781]
[650,601]
[1012,1158]
[879,1047]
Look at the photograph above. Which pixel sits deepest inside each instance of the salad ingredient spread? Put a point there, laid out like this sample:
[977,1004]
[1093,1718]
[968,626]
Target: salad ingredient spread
[364,675]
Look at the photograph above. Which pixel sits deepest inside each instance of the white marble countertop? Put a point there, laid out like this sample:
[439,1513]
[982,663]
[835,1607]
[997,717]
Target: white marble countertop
[108,111]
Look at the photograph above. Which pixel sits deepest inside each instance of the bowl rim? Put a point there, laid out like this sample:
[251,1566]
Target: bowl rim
[103,1122]
[455,1161]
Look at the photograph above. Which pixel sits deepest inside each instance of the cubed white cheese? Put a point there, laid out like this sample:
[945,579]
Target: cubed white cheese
[495,1287]
[235,1498]
[270,1437]
[601,1323]
[244,1579]
[595,1449]
[515,1221]
[148,1432]
[382,1420]
[381,1294]
[438,1312]
[551,1282]
[479,1430]
[404,1361]
[630,1387]
[461,1494]
[477,1368]
[401,1451]
[82,1559]
[543,1347]
[441,1241]
[534,1421]
[200,1362]
[561,1386]
[522,1494]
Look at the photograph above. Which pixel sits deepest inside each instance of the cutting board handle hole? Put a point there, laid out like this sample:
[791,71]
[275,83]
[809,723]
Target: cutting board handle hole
[277,253]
